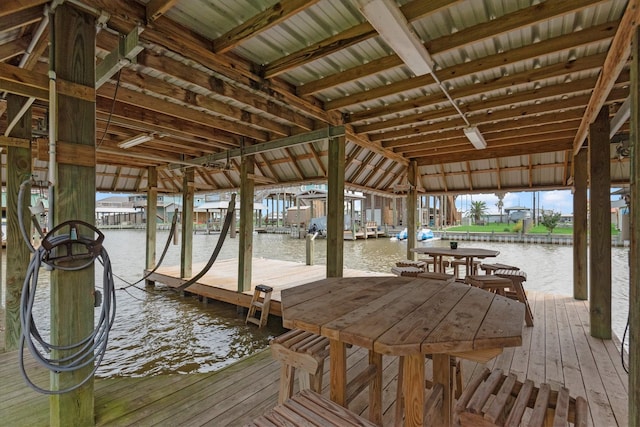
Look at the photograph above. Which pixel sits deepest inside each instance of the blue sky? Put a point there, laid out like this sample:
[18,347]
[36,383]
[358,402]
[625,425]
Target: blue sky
[557,200]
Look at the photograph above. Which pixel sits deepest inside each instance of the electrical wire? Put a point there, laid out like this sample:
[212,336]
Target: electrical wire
[113,107]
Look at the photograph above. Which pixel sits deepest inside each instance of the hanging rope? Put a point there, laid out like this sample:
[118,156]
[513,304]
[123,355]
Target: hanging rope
[164,253]
[223,235]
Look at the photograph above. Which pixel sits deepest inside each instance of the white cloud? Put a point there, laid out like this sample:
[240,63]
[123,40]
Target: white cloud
[558,201]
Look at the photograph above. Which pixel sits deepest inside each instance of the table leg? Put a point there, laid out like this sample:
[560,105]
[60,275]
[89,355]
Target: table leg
[437,263]
[338,372]
[375,389]
[413,389]
[442,375]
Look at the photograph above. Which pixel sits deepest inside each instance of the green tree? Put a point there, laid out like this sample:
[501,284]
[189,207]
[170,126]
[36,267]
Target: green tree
[478,209]
[500,204]
[550,220]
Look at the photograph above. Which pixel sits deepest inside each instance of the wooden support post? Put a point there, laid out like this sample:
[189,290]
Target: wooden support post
[412,199]
[580,259]
[72,310]
[335,208]
[188,190]
[18,170]
[310,248]
[245,246]
[600,225]
[152,213]
[634,248]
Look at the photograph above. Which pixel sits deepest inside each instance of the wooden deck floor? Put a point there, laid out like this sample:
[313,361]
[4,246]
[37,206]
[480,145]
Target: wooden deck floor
[221,282]
[558,349]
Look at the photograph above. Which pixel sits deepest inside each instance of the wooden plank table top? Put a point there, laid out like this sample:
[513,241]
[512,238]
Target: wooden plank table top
[405,316]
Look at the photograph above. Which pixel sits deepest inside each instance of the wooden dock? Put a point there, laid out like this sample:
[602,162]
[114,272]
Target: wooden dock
[221,282]
[558,350]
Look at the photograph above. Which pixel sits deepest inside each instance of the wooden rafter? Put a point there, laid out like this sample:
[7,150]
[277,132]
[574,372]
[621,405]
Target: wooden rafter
[157,8]
[266,19]
[617,57]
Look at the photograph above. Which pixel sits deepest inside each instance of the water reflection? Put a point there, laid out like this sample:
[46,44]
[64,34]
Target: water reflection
[161,332]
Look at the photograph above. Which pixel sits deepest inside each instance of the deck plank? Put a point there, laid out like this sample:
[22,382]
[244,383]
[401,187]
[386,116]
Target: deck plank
[606,370]
[595,392]
[558,349]
[552,357]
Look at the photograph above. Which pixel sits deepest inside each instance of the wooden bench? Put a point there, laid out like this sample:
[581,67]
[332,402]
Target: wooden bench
[457,263]
[430,264]
[407,271]
[490,282]
[298,349]
[411,263]
[303,350]
[517,277]
[491,268]
[494,399]
[308,408]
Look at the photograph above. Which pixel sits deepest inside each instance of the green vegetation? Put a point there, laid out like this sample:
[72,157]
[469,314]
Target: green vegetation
[510,228]
[478,210]
[550,220]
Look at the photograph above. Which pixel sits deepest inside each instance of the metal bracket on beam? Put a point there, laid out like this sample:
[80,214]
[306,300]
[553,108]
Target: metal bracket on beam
[125,53]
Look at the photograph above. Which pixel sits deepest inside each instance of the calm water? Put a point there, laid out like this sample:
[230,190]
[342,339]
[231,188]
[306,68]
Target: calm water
[161,333]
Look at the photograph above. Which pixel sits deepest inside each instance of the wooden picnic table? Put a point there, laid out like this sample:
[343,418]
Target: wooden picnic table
[404,316]
[469,254]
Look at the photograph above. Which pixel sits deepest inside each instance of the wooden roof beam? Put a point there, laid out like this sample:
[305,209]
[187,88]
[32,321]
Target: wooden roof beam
[499,116]
[453,136]
[21,18]
[10,7]
[491,153]
[493,28]
[277,144]
[459,92]
[136,117]
[190,99]
[462,145]
[32,84]
[617,57]
[14,48]
[217,86]
[268,18]
[125,53]
[156,8]
[575,86]
[317,158]
[125,15]
[414,10]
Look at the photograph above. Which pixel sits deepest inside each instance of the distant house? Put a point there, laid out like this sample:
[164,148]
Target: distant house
[517,213]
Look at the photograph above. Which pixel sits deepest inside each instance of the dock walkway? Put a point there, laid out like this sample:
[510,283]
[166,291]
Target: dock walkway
[221,282]
[558,350]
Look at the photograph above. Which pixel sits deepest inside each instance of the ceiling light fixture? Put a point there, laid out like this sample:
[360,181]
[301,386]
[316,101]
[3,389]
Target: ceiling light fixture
[387,19]
[136,140]
[474,135]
